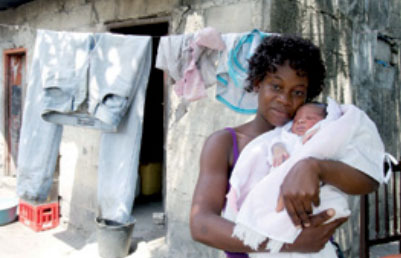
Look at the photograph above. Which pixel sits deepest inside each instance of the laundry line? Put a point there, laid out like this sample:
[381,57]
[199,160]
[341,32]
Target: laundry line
[16,27]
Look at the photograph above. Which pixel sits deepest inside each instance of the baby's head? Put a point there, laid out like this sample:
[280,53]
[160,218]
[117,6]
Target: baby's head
[307,116]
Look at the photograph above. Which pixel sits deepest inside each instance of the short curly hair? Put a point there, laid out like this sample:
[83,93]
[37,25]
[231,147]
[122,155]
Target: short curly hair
[303,56]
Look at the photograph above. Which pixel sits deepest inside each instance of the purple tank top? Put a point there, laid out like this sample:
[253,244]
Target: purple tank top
[236,154]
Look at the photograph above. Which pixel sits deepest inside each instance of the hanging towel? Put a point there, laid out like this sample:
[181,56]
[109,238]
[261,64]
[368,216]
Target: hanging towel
[232,71]
[191,61]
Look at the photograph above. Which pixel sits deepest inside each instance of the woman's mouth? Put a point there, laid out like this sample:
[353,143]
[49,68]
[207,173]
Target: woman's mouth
[281,113]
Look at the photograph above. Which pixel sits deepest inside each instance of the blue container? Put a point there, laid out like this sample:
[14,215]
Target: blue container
[8,210]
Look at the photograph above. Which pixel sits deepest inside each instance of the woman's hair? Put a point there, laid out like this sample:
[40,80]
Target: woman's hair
[303,56]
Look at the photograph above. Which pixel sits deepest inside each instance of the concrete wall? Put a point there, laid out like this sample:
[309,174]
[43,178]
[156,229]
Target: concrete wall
[79,147]
[347,33]
[345,30]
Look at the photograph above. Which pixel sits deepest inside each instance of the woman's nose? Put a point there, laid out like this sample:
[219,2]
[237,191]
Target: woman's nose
[285,98]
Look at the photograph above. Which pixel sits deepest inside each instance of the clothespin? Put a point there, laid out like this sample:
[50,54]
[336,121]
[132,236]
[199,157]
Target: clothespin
[390,160]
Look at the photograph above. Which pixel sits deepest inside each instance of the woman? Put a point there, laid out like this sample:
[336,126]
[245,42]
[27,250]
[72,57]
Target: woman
[285,71]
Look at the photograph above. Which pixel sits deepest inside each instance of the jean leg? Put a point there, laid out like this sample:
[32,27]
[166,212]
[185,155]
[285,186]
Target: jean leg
[39,140]
[119,154]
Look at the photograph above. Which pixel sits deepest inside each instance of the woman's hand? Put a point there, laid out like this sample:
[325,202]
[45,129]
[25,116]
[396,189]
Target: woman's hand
[300,190]
[314,238]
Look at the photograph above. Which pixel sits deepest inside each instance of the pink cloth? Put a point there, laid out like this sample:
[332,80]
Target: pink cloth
[192,87]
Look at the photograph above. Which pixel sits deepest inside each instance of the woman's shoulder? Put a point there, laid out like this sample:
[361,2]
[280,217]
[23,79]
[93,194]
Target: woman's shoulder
[222,137]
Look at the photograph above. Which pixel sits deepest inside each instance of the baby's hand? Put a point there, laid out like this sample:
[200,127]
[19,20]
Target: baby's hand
[280,154]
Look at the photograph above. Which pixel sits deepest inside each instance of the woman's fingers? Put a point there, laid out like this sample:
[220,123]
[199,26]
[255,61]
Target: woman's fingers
[287,204]
[307,211]
[300,189]
[292,212]
[316,200]
[301,210]
[314,238]
[298,208]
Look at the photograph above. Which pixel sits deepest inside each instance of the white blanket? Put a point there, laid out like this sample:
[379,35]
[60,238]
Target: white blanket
[347,134]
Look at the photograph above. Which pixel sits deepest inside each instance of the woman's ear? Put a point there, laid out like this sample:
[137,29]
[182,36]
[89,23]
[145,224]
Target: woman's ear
[256,86]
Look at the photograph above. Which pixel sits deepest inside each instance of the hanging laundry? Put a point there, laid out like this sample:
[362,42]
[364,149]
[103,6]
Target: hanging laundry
[232,71]
[89,80]
[191,61]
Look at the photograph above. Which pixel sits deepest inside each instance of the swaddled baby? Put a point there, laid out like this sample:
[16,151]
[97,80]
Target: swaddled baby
[264,163]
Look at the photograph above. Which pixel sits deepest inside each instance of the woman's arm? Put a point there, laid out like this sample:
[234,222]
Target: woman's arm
[301,186]
[206,224]
[208,227]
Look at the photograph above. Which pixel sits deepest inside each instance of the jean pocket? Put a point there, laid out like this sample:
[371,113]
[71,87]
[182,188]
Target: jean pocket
[61,87]
[114,101]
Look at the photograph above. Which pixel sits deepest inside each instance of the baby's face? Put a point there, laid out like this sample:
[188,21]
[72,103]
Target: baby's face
[306,117]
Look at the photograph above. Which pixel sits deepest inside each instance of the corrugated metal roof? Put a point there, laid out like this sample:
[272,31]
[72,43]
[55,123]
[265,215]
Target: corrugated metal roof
[6,4]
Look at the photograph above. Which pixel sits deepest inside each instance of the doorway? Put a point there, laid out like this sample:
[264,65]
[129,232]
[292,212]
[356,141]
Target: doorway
[14,78]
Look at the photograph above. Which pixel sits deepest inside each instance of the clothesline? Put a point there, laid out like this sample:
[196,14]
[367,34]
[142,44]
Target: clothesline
[16,27]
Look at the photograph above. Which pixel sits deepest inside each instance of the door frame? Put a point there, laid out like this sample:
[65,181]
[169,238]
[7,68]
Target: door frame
[6,59]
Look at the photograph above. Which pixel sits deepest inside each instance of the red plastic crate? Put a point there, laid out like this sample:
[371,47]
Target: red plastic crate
[39,217]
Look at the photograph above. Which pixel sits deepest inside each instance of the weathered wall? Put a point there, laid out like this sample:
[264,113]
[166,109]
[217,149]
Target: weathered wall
[345,30]
[200,120]
[347,33]
[79,147]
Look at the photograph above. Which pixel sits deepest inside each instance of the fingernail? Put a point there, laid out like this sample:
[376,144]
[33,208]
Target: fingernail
[298,226]
[330,212]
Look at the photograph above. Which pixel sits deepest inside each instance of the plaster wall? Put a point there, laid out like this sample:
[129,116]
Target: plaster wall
[347,32]
[79,147]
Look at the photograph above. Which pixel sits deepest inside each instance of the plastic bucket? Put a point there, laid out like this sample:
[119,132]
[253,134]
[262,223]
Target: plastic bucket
[113,238]
[8,210]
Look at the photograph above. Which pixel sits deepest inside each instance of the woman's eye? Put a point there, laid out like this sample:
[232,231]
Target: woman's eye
[276,87]
[299,93]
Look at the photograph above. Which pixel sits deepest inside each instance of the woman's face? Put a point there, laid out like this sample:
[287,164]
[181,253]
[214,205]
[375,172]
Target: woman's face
[280,94]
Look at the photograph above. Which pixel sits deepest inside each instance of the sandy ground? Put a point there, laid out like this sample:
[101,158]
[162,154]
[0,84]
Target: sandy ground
[19,241]
[148,240]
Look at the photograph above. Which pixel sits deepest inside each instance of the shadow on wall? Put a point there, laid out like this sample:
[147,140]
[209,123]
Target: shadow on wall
[362,65]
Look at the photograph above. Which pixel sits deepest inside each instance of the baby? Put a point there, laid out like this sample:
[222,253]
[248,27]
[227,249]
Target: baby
[255,182]
[305,118]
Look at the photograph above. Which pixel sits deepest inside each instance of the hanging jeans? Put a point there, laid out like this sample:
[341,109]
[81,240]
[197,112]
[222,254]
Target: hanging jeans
[90,80]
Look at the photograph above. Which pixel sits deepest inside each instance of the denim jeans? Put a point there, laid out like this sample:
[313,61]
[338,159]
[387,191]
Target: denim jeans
[91,80]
